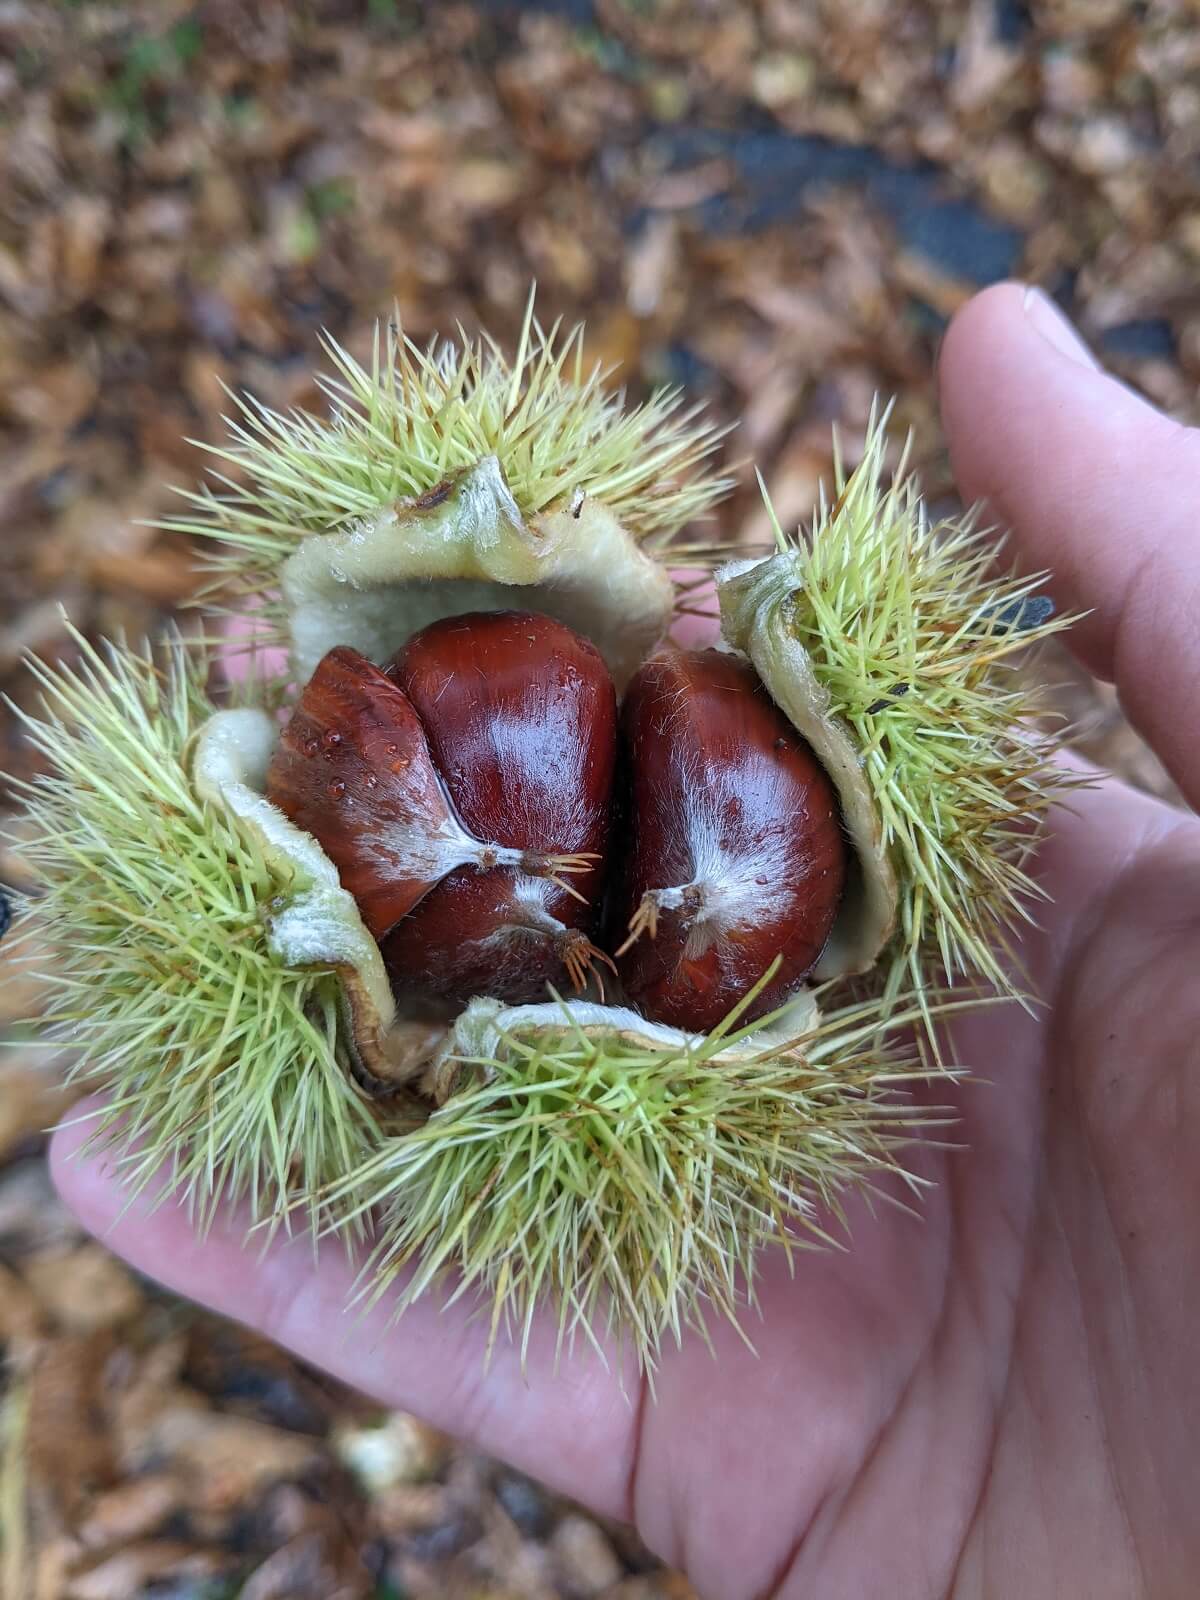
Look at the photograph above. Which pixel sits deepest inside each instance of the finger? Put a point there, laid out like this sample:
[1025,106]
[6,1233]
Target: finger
[572,1427]
[1098,487]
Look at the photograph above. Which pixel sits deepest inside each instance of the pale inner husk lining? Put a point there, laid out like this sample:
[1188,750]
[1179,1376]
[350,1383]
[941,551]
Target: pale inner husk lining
[754,597]
[466,547]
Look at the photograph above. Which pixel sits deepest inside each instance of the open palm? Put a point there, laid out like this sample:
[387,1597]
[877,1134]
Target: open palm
[1001,1397]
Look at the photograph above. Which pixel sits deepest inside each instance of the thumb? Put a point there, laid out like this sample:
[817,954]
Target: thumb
[1098,487]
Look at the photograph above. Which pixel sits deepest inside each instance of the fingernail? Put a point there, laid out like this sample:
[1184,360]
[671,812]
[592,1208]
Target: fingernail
[1054,327]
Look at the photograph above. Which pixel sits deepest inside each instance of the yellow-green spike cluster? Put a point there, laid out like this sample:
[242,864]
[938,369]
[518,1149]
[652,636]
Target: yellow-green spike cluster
[916,638]
[222,1069]
[631,1184]
[417,416]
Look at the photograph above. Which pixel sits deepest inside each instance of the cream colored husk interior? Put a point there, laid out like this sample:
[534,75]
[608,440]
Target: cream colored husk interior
[466,547]
[754,598]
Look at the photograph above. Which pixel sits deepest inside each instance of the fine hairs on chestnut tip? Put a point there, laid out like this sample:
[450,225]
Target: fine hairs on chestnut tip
[583,959]
[6,911]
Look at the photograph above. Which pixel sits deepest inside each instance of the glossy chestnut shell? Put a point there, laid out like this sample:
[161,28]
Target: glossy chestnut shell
[734,852]
[353,768]
[521,718]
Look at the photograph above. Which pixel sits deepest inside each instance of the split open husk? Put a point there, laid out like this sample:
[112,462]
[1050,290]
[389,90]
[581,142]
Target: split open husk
[223,989]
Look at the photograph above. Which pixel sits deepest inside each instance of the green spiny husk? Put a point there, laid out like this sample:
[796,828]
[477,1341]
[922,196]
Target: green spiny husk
[419,416]
[224,1073]
[906,623]
[631,1184]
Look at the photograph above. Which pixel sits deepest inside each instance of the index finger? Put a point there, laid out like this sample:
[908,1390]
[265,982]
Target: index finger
[1099,488]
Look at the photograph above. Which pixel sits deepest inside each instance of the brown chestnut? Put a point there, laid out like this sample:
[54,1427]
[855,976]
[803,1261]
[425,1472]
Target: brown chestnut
[354,769]
[521,718]
[735,849]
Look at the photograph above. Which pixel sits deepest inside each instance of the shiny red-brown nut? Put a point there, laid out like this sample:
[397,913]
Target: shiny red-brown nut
[735,849]
[521,718]
[354,769]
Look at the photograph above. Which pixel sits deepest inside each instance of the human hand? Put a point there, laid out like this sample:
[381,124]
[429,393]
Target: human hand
[999,1397]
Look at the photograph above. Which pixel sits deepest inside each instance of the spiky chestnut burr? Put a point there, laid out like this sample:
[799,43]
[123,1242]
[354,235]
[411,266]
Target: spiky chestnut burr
[734,853]
[631,1175]
[891,643]
[452,478]
[453,481]
[158,922]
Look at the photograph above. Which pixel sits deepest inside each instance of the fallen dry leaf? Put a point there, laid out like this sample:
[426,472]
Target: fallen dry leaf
[68,1445]
[228,1461]
[132,1510]
[133,1571]
[84,1289]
